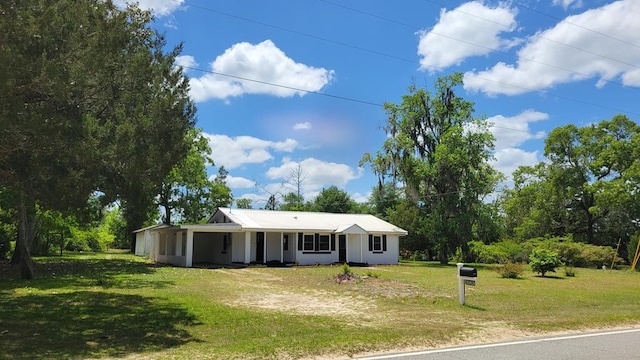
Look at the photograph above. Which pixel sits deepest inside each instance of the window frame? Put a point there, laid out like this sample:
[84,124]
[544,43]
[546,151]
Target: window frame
[321,243]
[305,242]
[377,243]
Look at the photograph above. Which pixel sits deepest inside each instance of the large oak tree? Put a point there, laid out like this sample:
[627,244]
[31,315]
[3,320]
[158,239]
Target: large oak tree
[90,102]
[440,153]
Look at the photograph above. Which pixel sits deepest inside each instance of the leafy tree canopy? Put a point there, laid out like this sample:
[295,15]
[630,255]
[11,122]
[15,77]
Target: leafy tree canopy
[440,153]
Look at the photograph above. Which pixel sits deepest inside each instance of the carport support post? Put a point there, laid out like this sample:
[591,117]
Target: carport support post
[281,247]
[189,254]
[460,285]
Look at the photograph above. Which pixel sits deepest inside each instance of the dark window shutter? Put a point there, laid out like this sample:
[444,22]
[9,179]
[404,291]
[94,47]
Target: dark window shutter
[384,242]
[333,242]
[299,241]
[317,242]
[370,242]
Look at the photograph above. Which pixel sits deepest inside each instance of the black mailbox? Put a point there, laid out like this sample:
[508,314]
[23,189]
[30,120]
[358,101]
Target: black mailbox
[468,272]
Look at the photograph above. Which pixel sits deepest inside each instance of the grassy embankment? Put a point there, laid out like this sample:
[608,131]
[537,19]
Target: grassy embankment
[118,305]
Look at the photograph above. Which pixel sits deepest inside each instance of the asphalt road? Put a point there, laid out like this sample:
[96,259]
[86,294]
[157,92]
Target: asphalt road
[615,344]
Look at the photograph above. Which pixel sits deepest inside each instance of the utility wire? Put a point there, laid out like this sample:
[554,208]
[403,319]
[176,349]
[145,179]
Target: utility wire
[574,24]
[545,38]
[334,96]
[490,48]
[285,86]
[391,56]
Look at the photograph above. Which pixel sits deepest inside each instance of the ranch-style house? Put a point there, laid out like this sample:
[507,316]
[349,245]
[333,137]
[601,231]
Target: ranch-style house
[242,236]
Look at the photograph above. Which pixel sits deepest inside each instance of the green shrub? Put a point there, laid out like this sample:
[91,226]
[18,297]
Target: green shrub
[510,270]
[418,256]
[572,253]
[544,260]
[95,239]
[458,257]
[498,253]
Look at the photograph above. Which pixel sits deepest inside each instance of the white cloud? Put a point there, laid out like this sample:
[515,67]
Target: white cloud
[238,182]
[186,61]
[512,131]
[575,53]
[472,29]
[316,173]
[568,3]
[360,198]
[302,126]
[158,7]
[508,160]
[257,201]
[235,152]
[263,62]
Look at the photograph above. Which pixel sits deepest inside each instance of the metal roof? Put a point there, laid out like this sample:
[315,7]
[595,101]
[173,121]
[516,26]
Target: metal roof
[270,220]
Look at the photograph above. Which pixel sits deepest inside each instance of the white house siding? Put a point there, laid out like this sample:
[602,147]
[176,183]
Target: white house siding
[390,256]
[311,258]
[316,257]
[149,245]
[354,253]
[272,242]
[141,242]
[170,248]
[237,247]
[290,253]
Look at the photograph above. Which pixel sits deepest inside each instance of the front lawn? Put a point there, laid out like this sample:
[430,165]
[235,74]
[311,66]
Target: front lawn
[119,305]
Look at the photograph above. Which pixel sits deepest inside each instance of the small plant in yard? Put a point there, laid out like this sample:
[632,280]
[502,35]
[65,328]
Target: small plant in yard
[346,269]
[511,270]
[569,271]
[372,274]
[346,274]
[543,261]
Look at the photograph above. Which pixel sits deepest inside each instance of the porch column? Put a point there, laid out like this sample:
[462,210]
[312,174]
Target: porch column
[264,250]
[189,260]
[247,247]
[281,247]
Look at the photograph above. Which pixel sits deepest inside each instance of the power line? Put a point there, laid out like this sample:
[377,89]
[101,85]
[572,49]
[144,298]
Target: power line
[546,38]
[316,92]
[316,37]
[576,25]
[284,86]
[391,56]
[490,48]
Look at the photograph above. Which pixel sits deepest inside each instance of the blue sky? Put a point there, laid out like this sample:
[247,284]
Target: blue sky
[529,66]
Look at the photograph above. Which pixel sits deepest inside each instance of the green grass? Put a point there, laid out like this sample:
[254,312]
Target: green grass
[118,305]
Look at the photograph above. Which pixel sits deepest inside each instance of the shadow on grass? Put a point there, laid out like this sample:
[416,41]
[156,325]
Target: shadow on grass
[436,264]
[86,324]
[554,277]
[72,272]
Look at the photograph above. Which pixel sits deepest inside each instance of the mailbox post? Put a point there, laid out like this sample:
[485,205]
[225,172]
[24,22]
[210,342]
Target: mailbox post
[466,276]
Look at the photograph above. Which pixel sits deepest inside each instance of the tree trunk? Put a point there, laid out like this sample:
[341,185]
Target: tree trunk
[444,258]
[27,226]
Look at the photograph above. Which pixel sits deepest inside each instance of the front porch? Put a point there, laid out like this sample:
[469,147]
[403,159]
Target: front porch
[225,246]
[191,248]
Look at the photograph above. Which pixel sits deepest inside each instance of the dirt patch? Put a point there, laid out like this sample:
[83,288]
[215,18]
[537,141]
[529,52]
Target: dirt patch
[309,303]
